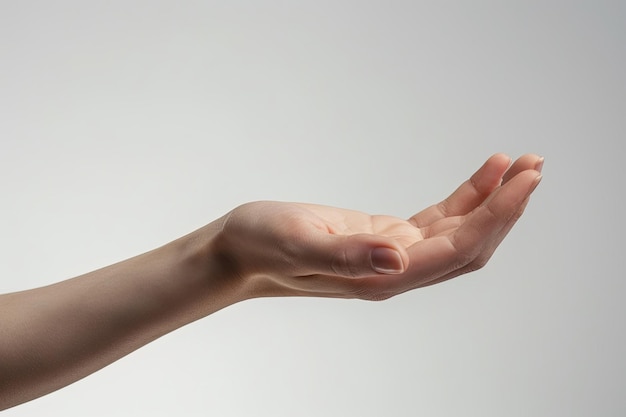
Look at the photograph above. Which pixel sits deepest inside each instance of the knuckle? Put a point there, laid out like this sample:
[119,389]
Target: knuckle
[489,209]
[463,255]
[342,266]
[466,253]
[444,207]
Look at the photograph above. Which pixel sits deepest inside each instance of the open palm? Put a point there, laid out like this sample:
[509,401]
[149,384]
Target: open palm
[327,251]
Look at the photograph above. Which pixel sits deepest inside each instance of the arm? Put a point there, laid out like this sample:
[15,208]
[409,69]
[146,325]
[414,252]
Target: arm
[55,335]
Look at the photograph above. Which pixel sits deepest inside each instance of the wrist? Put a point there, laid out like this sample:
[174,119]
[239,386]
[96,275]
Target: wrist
[237,261]
[210,252]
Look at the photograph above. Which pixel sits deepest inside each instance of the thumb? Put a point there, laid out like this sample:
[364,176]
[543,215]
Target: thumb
[357,256]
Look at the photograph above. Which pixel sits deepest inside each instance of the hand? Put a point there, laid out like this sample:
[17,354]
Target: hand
[304,249]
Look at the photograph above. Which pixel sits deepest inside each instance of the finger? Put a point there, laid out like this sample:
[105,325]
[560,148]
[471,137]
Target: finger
[485,223]
[484,257]
[523,163]
[469,195]
[429,259]
[473,243]
[352,256]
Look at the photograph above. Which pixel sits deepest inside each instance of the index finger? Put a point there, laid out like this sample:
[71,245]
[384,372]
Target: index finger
[469,195]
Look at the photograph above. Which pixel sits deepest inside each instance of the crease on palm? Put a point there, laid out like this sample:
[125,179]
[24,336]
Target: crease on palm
[350,222]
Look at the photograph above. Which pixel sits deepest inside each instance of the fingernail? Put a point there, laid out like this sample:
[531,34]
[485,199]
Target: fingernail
[539,165]
[386,261]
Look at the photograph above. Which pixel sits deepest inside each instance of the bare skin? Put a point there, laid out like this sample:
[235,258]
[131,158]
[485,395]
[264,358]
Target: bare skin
[55,335]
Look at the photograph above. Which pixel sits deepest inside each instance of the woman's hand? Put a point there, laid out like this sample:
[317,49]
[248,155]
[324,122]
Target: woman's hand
[57,334]
[311,250]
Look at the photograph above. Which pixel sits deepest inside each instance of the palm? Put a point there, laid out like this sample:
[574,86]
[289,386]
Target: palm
[455,236]
[351,222]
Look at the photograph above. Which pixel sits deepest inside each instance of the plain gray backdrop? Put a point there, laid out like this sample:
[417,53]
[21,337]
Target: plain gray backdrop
[126,124]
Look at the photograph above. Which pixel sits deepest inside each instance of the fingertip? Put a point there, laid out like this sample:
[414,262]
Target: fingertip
[501,157]
[525,162]
[491,175]
[539,164]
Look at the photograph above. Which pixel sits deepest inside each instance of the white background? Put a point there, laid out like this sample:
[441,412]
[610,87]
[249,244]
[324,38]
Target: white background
[126,124]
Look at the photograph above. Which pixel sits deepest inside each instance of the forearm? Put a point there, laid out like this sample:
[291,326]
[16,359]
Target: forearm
[52,336]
